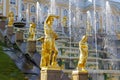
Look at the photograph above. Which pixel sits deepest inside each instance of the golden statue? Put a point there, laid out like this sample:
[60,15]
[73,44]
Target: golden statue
[32,31]
[83,47]
[45,56]
[49,50]
[10,19]
[64,21]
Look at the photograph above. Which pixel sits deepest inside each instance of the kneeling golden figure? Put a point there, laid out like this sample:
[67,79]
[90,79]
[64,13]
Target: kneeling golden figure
[83,47]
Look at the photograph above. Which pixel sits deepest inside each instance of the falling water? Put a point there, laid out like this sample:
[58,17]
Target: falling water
[52,10]
[107,9]
[38,7]
[52,7]
[94,4]
[70,3]
[39,14]
[110,30]
[89,22]
[19,10]
[76,28]
[108,20]
[27,17]
[88,15]
[77,12]
[108,23]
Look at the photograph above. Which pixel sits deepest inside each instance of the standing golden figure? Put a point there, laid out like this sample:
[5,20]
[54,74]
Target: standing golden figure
[10,19]
[45,57]
[49,50]
[32,31]
[83,47]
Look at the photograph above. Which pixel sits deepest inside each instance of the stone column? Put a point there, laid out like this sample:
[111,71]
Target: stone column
[77,75]
[50,74]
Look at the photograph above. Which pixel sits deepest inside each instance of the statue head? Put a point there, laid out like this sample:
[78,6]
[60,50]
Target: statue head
[64,18]
[50,20]
[11,14]
[33,25]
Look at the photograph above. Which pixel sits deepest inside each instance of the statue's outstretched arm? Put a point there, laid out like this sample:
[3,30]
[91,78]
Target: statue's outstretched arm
[51,16]
[54,16]
[41,39]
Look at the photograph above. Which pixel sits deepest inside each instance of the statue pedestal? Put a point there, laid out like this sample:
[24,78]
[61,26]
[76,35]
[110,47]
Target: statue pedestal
[27,66]
[2,25]
[78,75]
[19,36]
[50,74]
[31,47]
[9,31]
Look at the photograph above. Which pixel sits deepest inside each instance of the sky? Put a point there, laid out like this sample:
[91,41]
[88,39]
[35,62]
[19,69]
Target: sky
[116,0]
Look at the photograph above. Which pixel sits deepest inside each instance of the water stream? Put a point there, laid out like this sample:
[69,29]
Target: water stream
[95,29]
[70,4]
[52,7]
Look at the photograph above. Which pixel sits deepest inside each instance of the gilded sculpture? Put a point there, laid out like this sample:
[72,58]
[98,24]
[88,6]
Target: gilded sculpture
[45,57]
[64,21]
[83,47]
[32,31]
[49,50]
[10,19]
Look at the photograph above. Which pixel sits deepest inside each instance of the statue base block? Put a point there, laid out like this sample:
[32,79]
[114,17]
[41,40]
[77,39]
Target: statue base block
[19,36]
[27,66]
[2,25]
[31,47]
[9,31]
[78,75]
[50,74]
